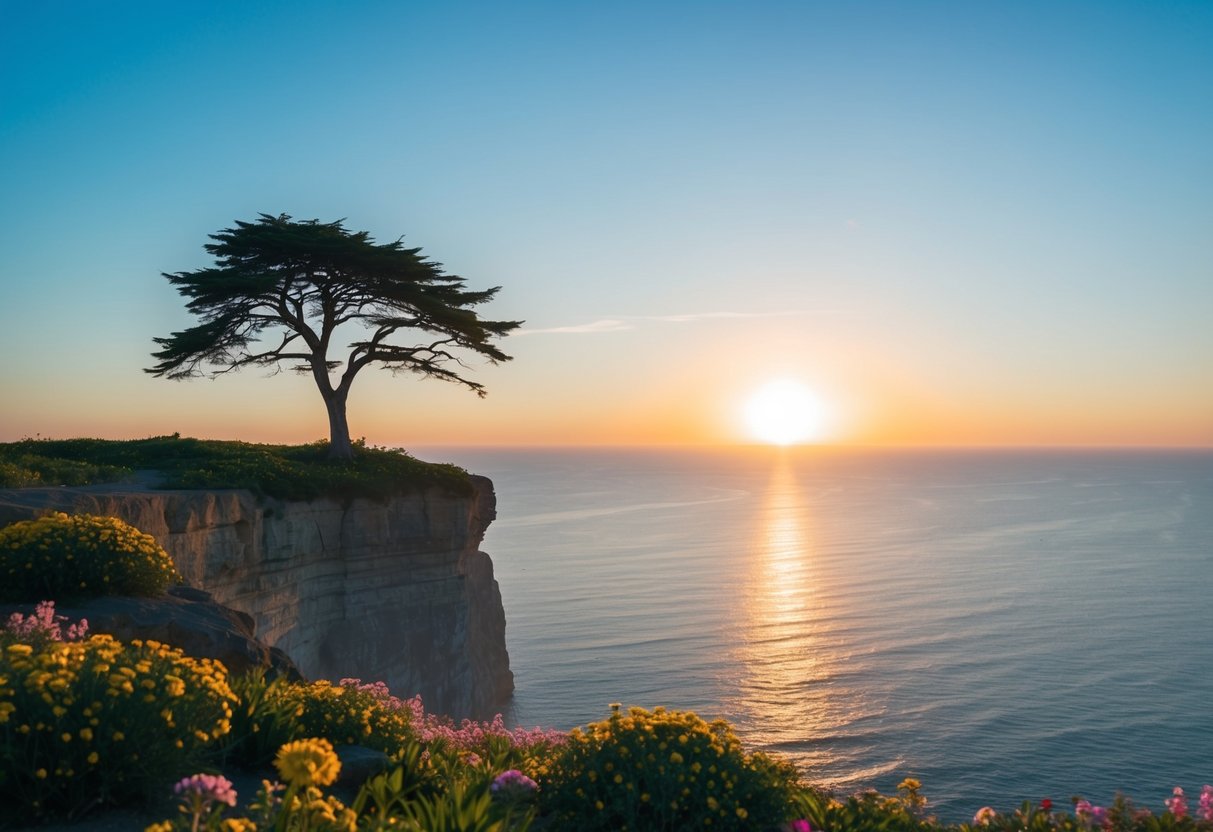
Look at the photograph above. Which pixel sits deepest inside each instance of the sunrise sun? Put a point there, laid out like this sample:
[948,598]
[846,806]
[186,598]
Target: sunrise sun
[785,412]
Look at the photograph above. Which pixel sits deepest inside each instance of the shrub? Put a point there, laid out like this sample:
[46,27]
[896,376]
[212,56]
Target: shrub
[94,722]
[80,556]
[348,714]
[30,470]
[663,770]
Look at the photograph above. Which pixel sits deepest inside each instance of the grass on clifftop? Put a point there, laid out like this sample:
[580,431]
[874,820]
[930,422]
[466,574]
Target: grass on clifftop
[287,472]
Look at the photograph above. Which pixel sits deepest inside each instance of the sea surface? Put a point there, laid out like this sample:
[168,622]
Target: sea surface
[1003,625]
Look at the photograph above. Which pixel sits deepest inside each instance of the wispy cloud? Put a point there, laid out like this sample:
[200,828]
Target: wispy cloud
[630,321]
[703,316]
[604,325]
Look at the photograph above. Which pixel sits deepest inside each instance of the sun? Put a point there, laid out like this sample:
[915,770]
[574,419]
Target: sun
[785,412]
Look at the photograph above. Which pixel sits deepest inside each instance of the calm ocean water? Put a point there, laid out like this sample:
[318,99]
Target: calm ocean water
[1002,625]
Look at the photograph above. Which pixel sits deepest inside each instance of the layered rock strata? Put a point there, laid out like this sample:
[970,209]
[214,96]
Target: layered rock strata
[396,591]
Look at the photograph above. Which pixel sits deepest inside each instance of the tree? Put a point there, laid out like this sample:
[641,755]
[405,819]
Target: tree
[308,279]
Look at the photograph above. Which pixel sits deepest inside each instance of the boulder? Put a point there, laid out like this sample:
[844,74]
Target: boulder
[184,617]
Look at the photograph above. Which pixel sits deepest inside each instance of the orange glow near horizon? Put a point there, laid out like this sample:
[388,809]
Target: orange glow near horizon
[861,402]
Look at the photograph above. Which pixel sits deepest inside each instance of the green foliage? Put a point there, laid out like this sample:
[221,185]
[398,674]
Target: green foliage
[98,722]
[664,770]
[287,472]
[867,810]
[385,796]
[464,807]
[80,556]
[263,720]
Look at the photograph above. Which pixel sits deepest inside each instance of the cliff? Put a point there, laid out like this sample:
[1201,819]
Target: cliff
[396,591]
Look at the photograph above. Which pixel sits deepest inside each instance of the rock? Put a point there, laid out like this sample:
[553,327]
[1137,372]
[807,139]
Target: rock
[393,591]
[359,764]
[185,618]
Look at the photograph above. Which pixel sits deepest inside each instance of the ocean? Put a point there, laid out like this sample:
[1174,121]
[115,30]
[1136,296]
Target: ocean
[1002,625]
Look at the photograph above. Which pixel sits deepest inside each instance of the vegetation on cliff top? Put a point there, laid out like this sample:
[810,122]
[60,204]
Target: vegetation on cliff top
[288,472]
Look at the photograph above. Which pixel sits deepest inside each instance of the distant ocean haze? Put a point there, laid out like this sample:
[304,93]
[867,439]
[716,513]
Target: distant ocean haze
[1003,625]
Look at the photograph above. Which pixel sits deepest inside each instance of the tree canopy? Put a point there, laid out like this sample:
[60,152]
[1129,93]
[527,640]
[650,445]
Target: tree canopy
[280,290]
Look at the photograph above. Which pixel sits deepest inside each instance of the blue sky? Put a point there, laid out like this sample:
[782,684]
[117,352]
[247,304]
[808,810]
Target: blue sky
[959,222]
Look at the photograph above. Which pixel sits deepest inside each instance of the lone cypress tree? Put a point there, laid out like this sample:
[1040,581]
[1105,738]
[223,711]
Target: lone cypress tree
[306,280]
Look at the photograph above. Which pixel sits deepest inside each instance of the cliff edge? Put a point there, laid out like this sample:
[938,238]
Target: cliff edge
[394,591]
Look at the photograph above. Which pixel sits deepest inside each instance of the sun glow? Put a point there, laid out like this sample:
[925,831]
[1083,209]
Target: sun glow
[785,412]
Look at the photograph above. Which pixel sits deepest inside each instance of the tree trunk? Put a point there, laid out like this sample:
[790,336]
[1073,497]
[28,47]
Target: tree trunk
[339,429]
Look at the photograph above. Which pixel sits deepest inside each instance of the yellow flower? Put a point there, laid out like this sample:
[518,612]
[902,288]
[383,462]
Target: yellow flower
[309,762]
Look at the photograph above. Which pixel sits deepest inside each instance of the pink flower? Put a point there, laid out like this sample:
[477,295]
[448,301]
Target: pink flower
[44,623]
[1206,803]
[1086,813]
[468,735]
[985,816]
[1177,804]
[800,825]
[203,789]
[513,784]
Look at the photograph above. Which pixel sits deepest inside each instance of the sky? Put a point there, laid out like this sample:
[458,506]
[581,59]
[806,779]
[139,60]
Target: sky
[955,223]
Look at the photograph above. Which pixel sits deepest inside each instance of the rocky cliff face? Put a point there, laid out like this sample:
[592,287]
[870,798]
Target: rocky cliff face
[394,591]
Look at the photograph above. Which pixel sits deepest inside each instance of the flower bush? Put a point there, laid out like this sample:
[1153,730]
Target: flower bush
[96,721]
[80,556]
[347,714]
[663,770]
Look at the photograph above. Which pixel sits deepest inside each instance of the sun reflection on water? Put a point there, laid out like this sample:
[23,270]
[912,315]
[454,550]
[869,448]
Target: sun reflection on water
[798,691]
